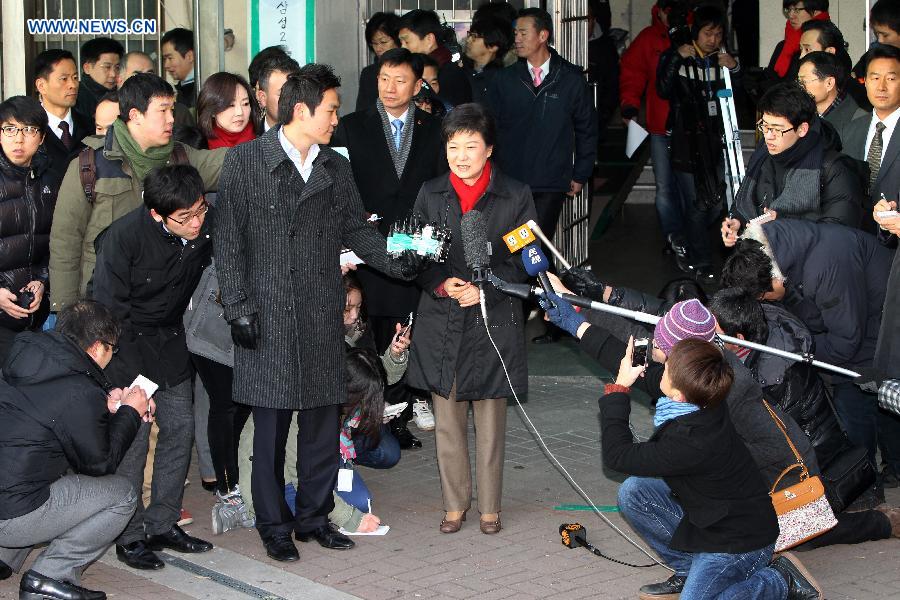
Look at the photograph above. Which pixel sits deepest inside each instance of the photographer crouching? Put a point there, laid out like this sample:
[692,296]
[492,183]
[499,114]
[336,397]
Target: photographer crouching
[715,524]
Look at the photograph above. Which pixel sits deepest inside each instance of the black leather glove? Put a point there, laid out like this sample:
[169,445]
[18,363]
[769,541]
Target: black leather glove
[583,283]
[245,331]
[629,112]
[406,266]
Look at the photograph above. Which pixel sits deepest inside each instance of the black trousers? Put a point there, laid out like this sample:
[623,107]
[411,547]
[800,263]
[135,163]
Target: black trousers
[548,206]
[225,423]
[317,468]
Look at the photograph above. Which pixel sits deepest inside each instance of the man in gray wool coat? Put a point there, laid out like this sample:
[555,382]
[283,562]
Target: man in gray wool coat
[287,206]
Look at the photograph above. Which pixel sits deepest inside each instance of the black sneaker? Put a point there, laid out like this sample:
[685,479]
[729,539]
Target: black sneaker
[889,479]
[801,585]
[676,244]
[670,589]
[5,571]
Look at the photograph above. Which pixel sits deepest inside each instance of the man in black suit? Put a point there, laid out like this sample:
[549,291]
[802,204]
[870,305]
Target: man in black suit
[394,148]
[874,139]
[56,80]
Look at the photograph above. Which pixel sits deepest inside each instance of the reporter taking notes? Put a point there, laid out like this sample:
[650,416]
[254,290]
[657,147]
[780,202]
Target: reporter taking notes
[451,354]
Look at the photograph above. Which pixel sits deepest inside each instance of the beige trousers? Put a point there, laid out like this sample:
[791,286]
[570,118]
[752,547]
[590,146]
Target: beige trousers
[451,424]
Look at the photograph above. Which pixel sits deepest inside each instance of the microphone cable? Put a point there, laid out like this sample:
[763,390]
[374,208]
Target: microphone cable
[555,461]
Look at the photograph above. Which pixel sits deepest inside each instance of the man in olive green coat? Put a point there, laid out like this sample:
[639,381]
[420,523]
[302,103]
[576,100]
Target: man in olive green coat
[139,141]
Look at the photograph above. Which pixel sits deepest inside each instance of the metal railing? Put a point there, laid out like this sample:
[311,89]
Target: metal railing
[571,34]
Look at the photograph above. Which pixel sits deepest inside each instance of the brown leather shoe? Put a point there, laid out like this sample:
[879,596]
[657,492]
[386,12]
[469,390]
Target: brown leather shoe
[490,527]
[453,526]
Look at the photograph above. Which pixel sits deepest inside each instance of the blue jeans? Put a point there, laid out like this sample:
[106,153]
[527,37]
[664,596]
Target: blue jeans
[383,456]
[647,504]
[669,201]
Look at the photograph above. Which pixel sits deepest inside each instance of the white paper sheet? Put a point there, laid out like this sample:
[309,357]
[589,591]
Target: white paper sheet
[636,136]
[382,530]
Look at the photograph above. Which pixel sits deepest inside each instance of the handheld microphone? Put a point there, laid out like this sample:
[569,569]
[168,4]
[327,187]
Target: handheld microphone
[475,248]
[536,265]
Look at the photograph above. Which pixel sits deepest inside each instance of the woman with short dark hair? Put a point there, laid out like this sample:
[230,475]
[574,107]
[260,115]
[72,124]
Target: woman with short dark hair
[785,58]
[224,115]
[381,35]
[453,355]
[26,211]
[717,527]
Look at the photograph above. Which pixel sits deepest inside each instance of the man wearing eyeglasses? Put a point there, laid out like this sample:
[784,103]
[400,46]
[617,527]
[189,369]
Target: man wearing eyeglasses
[796,170]
[148,264]
[109,186]
[825,78]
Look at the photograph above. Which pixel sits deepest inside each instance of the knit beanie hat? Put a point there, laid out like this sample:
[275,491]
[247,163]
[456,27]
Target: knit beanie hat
[685,320]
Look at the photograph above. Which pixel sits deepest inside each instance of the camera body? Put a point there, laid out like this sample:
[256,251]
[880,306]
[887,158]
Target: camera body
[679,30]
[24,299]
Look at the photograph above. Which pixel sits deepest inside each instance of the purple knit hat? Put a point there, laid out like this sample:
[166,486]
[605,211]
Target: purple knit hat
[686,319]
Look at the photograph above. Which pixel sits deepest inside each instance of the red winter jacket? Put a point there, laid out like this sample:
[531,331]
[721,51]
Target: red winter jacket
[638,73]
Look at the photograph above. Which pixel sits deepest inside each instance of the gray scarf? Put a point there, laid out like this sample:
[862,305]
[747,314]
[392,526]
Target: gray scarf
[398,156]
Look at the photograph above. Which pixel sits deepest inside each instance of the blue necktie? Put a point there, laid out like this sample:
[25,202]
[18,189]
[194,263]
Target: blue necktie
[398,132]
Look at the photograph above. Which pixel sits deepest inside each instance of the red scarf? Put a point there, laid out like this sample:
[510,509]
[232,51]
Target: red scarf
[792,44]
[226,139]
[470,194]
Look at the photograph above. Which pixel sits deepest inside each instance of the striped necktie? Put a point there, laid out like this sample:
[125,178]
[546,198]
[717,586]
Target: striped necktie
[874,156]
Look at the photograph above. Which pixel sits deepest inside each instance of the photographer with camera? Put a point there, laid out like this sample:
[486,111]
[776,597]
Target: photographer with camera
[689,75]
[26,209]
[713,521]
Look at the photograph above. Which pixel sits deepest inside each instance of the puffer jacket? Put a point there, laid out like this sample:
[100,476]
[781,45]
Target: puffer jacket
[796,386]
[55,419]
[26,210]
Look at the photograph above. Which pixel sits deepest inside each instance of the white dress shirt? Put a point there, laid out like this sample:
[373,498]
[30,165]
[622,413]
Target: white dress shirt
[54,122]
[890,123]
[304,167]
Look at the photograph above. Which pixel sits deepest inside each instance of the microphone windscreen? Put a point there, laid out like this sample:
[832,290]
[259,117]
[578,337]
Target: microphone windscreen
[474,240]
[535,260]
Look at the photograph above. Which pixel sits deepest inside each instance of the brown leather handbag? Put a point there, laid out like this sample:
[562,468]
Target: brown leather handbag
[803,510]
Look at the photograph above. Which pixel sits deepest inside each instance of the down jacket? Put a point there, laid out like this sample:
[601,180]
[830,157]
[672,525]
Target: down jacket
[55,418]
[26,209]
[796,387]
[837,278]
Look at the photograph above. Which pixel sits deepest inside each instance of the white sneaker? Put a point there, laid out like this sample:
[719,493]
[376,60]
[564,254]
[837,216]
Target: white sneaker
[422,415]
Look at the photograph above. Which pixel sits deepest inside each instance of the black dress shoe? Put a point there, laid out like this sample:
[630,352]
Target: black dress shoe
[5,571]
[405,437]
[138,556]
[328,536]
[670,588]
[801,585]
[35,586]
[176,539]
[281,547]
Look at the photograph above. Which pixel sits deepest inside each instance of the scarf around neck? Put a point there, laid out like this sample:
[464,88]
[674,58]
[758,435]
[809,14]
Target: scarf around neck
[141,162]
[470,194]
[227,139]
[667,409]
[792,44]
[801,165]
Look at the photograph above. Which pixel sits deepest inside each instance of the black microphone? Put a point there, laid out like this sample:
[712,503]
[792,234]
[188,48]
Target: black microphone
[536,265]
[525,291]
[475,246]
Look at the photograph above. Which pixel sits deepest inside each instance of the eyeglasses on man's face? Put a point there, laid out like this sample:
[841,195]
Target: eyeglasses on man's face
[114,348]
[12,131]
[765,129]
[793,10]
[199,213]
